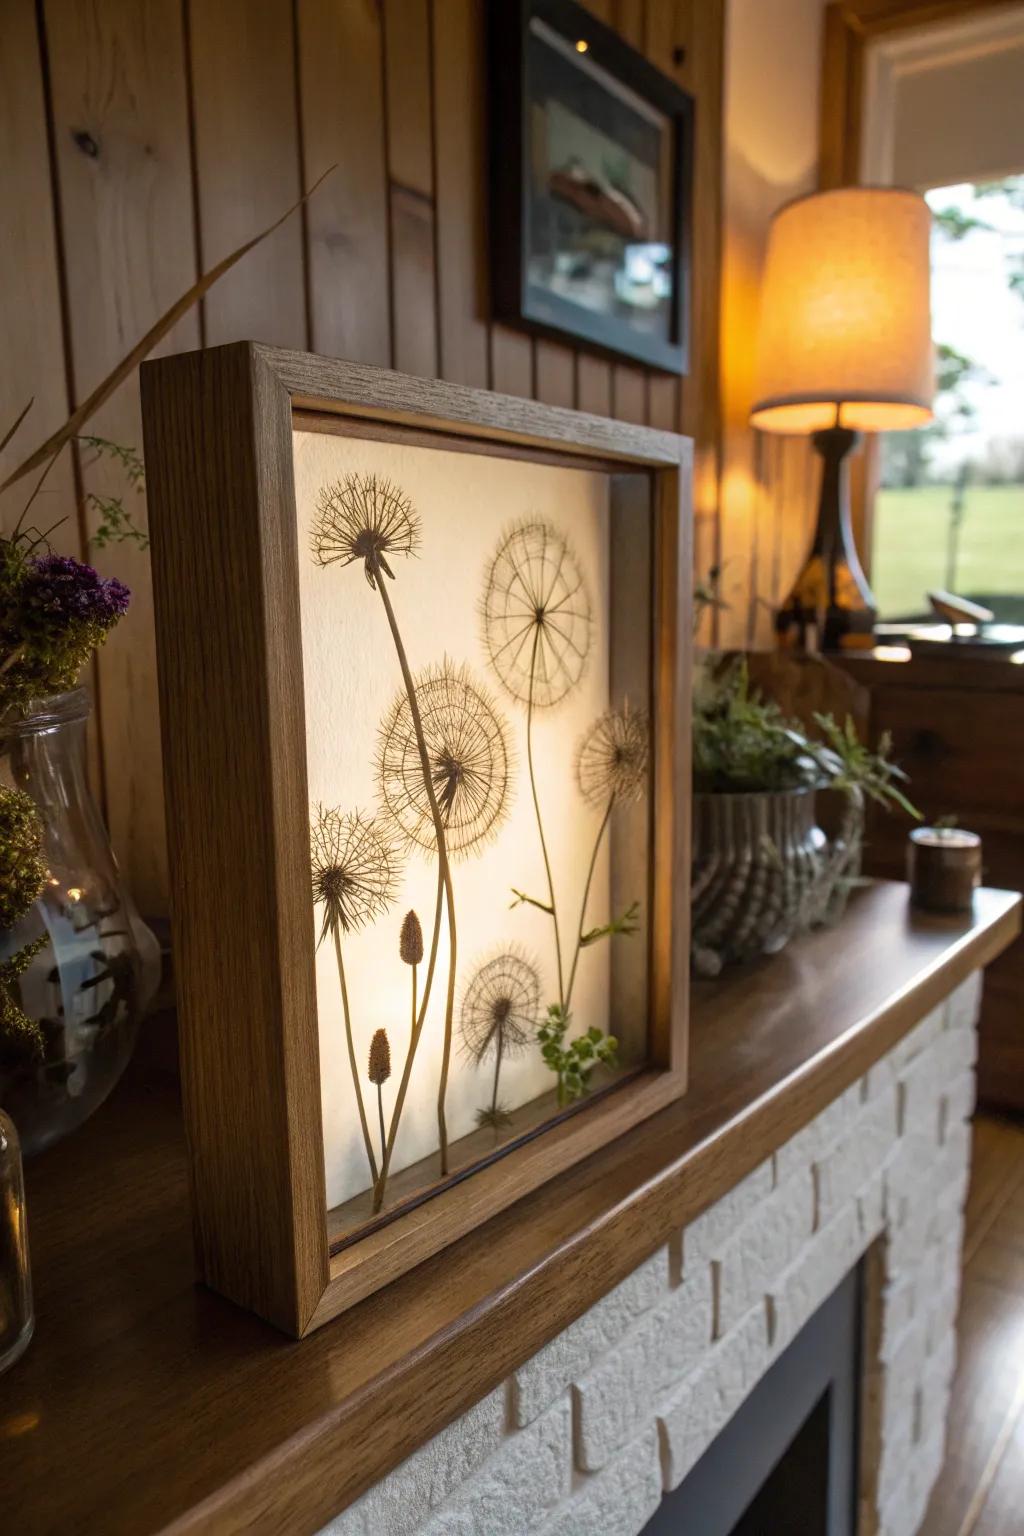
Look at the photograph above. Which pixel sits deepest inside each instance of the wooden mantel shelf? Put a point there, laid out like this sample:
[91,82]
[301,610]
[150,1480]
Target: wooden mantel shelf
[146,1404]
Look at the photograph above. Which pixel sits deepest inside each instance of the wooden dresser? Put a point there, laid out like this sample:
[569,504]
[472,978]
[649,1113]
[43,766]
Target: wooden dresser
[958,730]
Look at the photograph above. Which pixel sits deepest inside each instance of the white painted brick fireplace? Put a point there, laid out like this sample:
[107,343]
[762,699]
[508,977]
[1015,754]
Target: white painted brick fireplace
[588,1435]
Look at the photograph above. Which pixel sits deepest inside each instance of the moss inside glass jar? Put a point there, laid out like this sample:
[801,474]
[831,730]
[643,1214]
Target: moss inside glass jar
[78,968]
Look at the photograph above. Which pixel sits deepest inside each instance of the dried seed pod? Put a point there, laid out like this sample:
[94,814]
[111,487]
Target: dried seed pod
[410,944]
[379,1069]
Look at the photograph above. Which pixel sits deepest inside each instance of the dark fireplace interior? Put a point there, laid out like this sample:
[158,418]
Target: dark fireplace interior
[786,1464]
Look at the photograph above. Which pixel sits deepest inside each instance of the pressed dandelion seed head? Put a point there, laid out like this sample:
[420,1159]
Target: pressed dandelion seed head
[364,517]
[536,614]
[501,1001]
[379,1068]
[612,758]
[355,864]
[470,761]
[410,942]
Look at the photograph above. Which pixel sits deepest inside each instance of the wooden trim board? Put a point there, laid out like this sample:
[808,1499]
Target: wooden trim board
[149,1405]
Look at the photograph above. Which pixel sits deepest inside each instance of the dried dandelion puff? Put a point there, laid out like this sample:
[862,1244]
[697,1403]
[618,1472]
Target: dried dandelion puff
[379,1069]
[501,1004]
[612,758]
[499,1014]
[536,615]
[364,518]
[410,940]
[356,866]
[469,755]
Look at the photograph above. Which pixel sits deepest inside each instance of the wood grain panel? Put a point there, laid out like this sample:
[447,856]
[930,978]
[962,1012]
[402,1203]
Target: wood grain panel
[414,316]
[461,192]
[554,373]
[219,446]
[978,1492]
[31,334]
[248,166]
[962,754]
[511,361]
[594,385]
[407,35]
[341,96]
[594,374]
[118,88]
[667,29]
[628,18]
[629,393]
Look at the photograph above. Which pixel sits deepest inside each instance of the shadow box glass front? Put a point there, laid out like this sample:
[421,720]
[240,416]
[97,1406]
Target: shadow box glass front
[424,695]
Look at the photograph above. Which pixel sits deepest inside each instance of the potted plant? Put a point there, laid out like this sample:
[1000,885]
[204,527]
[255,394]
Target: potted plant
[762,868]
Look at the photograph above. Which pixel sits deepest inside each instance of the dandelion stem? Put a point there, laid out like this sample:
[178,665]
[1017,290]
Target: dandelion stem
[536,808]
[414,1040]
[380,1111]
[442,860]
[336,929]
[497,1070]
[586,896]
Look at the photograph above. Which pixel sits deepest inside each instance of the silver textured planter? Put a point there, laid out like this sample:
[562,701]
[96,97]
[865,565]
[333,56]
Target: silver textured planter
[763,870]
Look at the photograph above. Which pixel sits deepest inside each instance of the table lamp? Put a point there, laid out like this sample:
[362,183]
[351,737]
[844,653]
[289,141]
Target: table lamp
[844,347]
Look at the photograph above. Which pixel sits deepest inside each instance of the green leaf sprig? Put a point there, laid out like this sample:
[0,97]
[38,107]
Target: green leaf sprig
[573,1063]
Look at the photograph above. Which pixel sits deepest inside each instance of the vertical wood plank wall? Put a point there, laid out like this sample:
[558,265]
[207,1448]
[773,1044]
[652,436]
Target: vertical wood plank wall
[142,139]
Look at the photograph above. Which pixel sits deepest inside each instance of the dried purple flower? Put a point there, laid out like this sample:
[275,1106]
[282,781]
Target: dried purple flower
[54,612]
[59,590]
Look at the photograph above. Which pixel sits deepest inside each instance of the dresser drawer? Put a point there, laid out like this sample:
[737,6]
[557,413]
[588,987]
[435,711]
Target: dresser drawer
[964,751]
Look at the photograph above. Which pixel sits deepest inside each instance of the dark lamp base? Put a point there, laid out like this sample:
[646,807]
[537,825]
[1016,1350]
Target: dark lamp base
[830,607]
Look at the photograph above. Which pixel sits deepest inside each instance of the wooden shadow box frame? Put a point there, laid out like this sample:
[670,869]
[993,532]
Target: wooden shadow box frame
[218,440]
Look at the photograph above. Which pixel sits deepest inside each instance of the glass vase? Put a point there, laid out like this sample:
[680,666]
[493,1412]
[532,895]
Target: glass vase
[98,965]
[16,1316]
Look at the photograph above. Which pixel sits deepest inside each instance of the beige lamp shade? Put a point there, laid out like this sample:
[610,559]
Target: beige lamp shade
[845,314]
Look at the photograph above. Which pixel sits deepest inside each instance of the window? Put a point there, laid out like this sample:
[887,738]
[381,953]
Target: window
[950,512]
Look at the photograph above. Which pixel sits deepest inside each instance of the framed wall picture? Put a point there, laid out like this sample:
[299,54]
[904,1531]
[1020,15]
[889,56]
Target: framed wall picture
[590,175]
[424,670]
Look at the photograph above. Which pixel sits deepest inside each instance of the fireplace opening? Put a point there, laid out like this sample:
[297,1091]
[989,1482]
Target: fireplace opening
[786,1463]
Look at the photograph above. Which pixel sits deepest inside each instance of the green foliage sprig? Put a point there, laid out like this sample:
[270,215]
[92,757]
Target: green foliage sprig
[114,523]
[23,875]
[574,1063]
[849,764]
[742,742]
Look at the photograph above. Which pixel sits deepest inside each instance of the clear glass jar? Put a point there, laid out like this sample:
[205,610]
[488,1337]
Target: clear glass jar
[16,1316]
[99,965]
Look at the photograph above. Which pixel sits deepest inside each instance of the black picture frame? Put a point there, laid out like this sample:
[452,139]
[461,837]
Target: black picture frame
[513,67]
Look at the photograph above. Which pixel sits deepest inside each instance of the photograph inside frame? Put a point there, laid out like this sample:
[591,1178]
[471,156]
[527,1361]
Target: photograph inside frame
[477,651]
